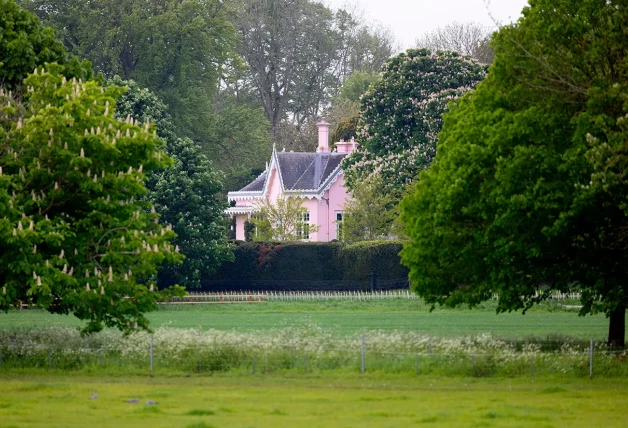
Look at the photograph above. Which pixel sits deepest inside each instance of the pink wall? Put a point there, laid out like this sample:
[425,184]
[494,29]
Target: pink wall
[274,186]
[322,212]
[240,219]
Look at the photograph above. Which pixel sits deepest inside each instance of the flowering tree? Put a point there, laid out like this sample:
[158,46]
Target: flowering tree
[281,220]
[76,234]
[401,114]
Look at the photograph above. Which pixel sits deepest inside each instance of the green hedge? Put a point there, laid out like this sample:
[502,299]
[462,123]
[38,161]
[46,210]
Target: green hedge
[310,265]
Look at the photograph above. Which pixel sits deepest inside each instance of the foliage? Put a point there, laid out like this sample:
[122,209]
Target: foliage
[186,195]
[300,52]
[76,234]
[466,38]
[143,105]
[237,178]
[344,111]
[240,138]
[249,231]
[371,214]
[281,220]
[357,84]
[175,48]
[308,265]
[345,130]
[525,194]
[401,115]
[26,44]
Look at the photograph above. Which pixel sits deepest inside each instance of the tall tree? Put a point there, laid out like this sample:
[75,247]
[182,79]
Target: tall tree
[370,214]
[466,38]
[25,44]
[174,47]
[527,192]
[299,53]
[281,220]
[187,194]
[401,115]
[77,235]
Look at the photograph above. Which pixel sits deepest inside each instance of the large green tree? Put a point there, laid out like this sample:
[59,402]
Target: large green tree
[176,48]
[401,115]
[25,44]
[186,194]
[300,52]
[528,190]
[77,234]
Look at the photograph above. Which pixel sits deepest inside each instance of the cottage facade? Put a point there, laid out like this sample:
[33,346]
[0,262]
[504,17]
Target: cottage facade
[317,178]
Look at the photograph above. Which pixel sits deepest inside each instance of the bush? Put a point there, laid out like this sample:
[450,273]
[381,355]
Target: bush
[310,266]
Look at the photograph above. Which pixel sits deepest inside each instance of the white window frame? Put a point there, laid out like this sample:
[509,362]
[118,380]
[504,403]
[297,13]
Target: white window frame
[339,222]
[303,227]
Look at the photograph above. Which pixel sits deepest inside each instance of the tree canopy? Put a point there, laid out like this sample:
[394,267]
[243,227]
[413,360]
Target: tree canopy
[175,48]
[186,194]
[527,193]
[300,52]
[401,115]
[77,234]
[25,44]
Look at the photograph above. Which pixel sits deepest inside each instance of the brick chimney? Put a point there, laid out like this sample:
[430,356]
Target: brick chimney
[323,137]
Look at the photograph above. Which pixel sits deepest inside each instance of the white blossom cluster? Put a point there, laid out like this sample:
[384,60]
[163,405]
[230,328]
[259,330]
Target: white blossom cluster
[402,115]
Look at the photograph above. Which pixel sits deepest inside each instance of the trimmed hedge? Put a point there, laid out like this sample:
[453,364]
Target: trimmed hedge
[310,266]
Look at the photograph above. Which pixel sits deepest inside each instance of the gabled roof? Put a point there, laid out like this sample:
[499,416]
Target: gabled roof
[298,172]
[307,171]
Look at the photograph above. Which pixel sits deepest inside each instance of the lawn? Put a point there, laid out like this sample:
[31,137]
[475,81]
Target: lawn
[55,400]
[346,317]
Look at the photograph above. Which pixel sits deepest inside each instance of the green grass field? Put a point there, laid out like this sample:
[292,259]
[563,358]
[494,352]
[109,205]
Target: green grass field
[28,400]
[332,397]
[548,320]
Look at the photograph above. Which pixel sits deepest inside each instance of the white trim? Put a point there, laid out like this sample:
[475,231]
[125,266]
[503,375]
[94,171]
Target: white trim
[301,193]
[241,210]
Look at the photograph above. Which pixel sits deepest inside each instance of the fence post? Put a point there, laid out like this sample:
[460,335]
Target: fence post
[430,347]
[532,365]
[591,360]
[151,352]
[416,364]
[363,355]
[0,359]
[199,361]
[291,353]
[253,363]
[49,357]
[100,357]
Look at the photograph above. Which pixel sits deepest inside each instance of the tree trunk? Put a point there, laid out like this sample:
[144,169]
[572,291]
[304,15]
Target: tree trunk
[617,327]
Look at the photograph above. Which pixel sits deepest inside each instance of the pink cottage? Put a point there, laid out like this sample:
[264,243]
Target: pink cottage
[315,177]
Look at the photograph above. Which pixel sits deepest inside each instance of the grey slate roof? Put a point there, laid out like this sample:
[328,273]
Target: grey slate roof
[300,171]
[256,185]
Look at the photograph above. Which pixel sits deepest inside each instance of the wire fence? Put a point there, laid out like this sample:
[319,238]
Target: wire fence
[515,358]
